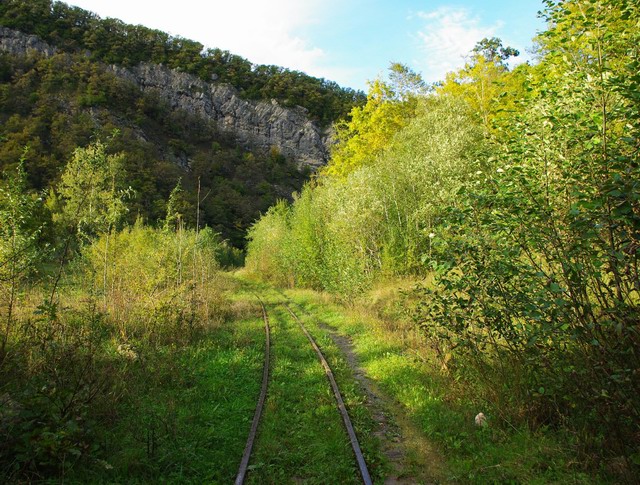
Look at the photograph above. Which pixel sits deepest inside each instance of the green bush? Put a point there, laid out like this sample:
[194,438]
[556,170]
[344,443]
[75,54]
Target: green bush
[536,295]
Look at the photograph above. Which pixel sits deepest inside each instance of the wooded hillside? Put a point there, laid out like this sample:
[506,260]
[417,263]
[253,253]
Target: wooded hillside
[112,41]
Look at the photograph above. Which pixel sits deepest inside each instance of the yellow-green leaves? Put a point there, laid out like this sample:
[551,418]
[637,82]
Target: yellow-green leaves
[91,191]
[371,127]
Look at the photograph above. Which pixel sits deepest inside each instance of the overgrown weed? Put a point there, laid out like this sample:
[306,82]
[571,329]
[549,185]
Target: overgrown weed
[104,350]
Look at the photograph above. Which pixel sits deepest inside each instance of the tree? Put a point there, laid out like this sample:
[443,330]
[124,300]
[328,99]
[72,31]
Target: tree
[91,191]
[406,83]
[19,251]
[179,209]
[493,50]
[371,127]
[482,80]
[91,199]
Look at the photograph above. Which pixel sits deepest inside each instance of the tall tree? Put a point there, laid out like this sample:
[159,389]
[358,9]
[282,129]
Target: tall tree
[482,80]
[390,105]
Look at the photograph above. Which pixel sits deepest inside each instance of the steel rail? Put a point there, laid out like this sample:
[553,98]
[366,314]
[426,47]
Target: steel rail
[244,463]
[362,465]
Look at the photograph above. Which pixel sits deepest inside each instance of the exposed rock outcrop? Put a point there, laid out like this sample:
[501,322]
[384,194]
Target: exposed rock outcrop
[260,124]
[255,124]
[20,44]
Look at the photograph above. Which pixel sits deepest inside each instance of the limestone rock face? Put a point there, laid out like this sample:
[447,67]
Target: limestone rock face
[20,44]
[259,125]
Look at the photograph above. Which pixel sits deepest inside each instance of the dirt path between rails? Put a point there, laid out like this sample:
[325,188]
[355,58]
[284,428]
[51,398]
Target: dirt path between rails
[406,450]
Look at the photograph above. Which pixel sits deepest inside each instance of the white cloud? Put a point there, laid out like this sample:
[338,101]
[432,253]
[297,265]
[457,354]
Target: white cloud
[263,31]
[447,35]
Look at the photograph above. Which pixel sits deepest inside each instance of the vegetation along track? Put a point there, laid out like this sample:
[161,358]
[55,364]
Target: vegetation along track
[244,464]
[362,465]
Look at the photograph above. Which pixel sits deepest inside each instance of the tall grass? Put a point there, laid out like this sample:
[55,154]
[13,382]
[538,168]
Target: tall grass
[127,307]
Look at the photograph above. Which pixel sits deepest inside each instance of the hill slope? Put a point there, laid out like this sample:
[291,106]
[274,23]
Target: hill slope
[73,29]
[245,153]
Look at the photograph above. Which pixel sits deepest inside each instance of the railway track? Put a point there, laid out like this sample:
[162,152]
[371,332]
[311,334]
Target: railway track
[362,466]
[244,463]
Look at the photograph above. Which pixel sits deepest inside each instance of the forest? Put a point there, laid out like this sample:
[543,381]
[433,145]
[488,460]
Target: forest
[113,42]
[56,104]
[474,241]
[510,200]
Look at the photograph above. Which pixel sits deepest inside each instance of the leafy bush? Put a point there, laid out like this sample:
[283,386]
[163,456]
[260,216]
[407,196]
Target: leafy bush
[536,281]
[131,302]
[342,232]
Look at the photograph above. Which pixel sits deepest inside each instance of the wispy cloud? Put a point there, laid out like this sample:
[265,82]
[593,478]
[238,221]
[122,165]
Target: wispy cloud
[271,34]
[448,34]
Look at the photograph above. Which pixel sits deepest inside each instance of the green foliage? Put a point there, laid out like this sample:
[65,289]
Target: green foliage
[484,81]
[57,104]
[159,267]
[90,192]
[538,268]
[343,232]
[20,251]
[421,173]
[371,127]
[368,213]
[72,371]
[517,195]
[113,42]
[492,49]
[177,207]
[19,230]
[266,242]
[406,83]
[70,365]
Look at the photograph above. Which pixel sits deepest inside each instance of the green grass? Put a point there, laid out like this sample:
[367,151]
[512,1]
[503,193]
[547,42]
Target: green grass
[301,437]
[443,414]
[188,410]
[190,421]
[354,399]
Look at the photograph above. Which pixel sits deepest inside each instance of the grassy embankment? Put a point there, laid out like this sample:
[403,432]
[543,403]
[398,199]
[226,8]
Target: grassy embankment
[435,414]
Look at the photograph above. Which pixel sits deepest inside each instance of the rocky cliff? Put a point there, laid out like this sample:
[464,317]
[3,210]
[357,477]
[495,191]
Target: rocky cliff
[255,124]
[20,44]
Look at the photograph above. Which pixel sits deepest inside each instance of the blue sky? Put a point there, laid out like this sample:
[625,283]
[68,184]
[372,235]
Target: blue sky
[348,41]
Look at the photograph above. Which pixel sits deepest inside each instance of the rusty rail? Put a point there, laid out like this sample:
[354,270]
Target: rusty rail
[244,463]
[362,465]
